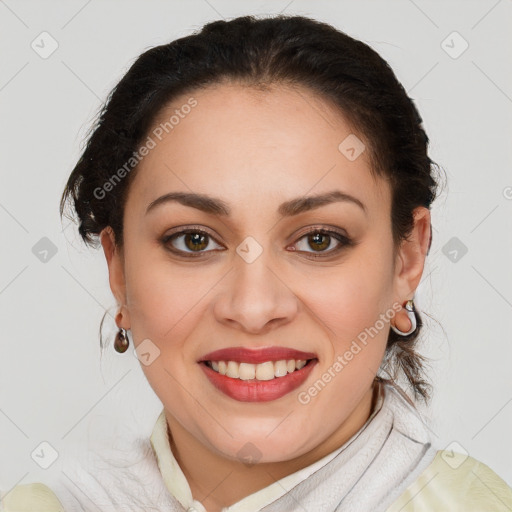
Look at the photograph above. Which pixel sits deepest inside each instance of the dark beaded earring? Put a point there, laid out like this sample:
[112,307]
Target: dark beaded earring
[121,342]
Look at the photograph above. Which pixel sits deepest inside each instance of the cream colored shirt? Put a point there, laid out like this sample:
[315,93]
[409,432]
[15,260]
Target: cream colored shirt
[389,465]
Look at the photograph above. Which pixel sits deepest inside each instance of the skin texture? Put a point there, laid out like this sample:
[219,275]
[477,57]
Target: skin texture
[256,149]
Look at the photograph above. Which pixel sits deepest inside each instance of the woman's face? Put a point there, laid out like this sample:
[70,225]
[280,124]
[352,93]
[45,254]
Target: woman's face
[270,266]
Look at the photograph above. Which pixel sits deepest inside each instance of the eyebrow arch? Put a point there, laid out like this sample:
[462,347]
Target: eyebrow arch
[289,208]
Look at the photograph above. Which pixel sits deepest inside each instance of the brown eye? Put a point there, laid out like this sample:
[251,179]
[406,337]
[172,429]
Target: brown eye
[196,241]
[190,241]
[319,241]
[322,241]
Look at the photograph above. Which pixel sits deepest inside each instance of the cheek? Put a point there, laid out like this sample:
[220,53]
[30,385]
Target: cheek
[351,297]
[163,296]
[165,305]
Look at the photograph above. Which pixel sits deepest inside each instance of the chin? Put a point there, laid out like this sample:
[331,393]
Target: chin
[261,449]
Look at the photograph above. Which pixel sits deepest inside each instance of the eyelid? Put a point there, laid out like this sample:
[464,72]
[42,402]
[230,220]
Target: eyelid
[324,228]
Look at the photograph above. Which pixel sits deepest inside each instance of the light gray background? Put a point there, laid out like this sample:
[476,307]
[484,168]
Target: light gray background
[53,385]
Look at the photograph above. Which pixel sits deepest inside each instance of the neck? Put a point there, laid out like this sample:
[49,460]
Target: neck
[219,482]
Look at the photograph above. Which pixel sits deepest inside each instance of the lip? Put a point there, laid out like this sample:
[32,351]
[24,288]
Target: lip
[254,390]
[256,356]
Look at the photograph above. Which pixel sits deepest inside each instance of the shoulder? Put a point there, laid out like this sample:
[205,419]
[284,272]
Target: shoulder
[454,481]
[30,497]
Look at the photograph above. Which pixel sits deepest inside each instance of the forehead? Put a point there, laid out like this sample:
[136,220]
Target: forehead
[246,144]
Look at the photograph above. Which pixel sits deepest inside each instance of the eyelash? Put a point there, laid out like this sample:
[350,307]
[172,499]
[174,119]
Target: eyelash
[341,238]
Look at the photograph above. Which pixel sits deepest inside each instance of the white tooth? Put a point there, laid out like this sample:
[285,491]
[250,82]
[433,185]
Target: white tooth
[246,371]
[280,369]
[232,369]
[265,371]
[300,363]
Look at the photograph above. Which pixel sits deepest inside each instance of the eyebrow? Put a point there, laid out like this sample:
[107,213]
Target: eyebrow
[216,206]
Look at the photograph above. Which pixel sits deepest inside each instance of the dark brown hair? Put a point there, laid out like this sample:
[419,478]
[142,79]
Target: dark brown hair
[261,52]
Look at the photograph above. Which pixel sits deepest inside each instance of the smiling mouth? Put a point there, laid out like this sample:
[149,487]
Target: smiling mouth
[267,370]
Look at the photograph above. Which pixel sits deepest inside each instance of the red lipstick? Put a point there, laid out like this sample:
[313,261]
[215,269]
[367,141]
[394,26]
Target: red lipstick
[254,390]
[256,356]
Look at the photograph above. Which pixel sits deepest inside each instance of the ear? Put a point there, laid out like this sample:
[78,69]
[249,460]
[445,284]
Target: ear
[411,256]
[115,265]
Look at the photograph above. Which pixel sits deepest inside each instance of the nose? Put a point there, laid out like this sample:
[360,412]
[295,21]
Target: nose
[256,298]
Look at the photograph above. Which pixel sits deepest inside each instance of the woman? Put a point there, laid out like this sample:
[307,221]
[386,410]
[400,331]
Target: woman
[262,191]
